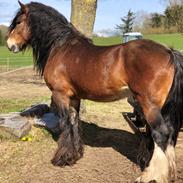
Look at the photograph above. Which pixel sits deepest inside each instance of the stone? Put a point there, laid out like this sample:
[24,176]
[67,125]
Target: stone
[14,125]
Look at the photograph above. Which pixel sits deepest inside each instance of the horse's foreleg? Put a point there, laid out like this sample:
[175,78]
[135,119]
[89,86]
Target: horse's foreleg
[70,147]
[53,106]
[76,128]
[158,167]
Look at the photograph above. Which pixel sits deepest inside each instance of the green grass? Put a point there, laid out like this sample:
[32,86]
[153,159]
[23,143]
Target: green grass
[12,60]
[4,52]
[171,40]
[107,41]
[21,60]
[15,105]
[25,59]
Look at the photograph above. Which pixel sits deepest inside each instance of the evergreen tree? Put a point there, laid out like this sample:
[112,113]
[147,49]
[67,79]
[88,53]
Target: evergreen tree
[127,23]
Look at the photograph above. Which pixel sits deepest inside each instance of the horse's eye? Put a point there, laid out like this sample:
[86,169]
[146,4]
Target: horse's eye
[18,22]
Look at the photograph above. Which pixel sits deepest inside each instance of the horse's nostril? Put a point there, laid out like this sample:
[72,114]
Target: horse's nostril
[13,47]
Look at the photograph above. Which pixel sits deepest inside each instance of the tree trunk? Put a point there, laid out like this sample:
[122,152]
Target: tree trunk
[83,15]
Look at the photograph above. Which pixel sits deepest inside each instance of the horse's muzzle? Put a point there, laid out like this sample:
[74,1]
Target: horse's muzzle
[12,46]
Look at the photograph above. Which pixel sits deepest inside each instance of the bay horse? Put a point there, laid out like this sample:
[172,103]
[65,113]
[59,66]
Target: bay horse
[74,69]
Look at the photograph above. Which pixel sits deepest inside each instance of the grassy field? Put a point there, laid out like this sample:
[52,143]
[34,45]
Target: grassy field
[107,41]
[14,61]
[172,40]
[11,60]
[4,52]
[110,147]
[19,104]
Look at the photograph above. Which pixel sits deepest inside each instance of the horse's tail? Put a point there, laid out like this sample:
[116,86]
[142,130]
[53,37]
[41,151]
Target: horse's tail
[172,110]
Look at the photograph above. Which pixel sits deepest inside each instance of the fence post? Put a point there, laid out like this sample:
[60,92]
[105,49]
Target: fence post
[8,64]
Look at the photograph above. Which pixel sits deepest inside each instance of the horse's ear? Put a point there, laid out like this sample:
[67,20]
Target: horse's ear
[23,7]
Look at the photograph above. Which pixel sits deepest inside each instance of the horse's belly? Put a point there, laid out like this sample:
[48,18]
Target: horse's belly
[124,92]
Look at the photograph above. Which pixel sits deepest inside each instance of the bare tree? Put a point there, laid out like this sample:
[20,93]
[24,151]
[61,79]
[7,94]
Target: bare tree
[83,15]
[172,2]
[174,16]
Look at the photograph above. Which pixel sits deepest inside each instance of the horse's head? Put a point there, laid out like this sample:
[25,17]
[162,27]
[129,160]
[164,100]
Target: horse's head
[19,32]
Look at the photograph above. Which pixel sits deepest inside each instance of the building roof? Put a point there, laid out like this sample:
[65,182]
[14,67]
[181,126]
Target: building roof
[132,34]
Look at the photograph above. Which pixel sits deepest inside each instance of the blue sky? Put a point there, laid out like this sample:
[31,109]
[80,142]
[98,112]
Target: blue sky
[108,14]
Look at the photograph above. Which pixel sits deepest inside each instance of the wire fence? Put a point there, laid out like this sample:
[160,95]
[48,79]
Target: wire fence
[12,63]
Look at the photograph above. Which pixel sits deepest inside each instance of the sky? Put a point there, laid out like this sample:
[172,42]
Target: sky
[108,12]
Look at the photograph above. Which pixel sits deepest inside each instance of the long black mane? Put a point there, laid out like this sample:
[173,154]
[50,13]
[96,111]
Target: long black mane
[49,29]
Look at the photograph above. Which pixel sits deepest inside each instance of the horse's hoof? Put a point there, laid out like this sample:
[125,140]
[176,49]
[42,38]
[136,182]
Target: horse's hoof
[138,180]
[145,178]
[64,156]
[63,160]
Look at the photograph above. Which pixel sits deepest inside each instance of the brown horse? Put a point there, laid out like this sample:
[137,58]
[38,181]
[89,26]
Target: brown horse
[76,69]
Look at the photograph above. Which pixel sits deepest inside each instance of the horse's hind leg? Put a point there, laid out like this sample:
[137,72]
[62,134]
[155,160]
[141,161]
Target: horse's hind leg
[158,167]
[70,147]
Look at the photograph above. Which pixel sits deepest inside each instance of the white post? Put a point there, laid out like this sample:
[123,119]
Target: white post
[8,64]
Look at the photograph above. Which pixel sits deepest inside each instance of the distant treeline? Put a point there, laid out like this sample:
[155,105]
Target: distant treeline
[171,21]
[3,32]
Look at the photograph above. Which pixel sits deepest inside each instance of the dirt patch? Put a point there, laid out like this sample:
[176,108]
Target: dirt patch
[110,146]
[22,84]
